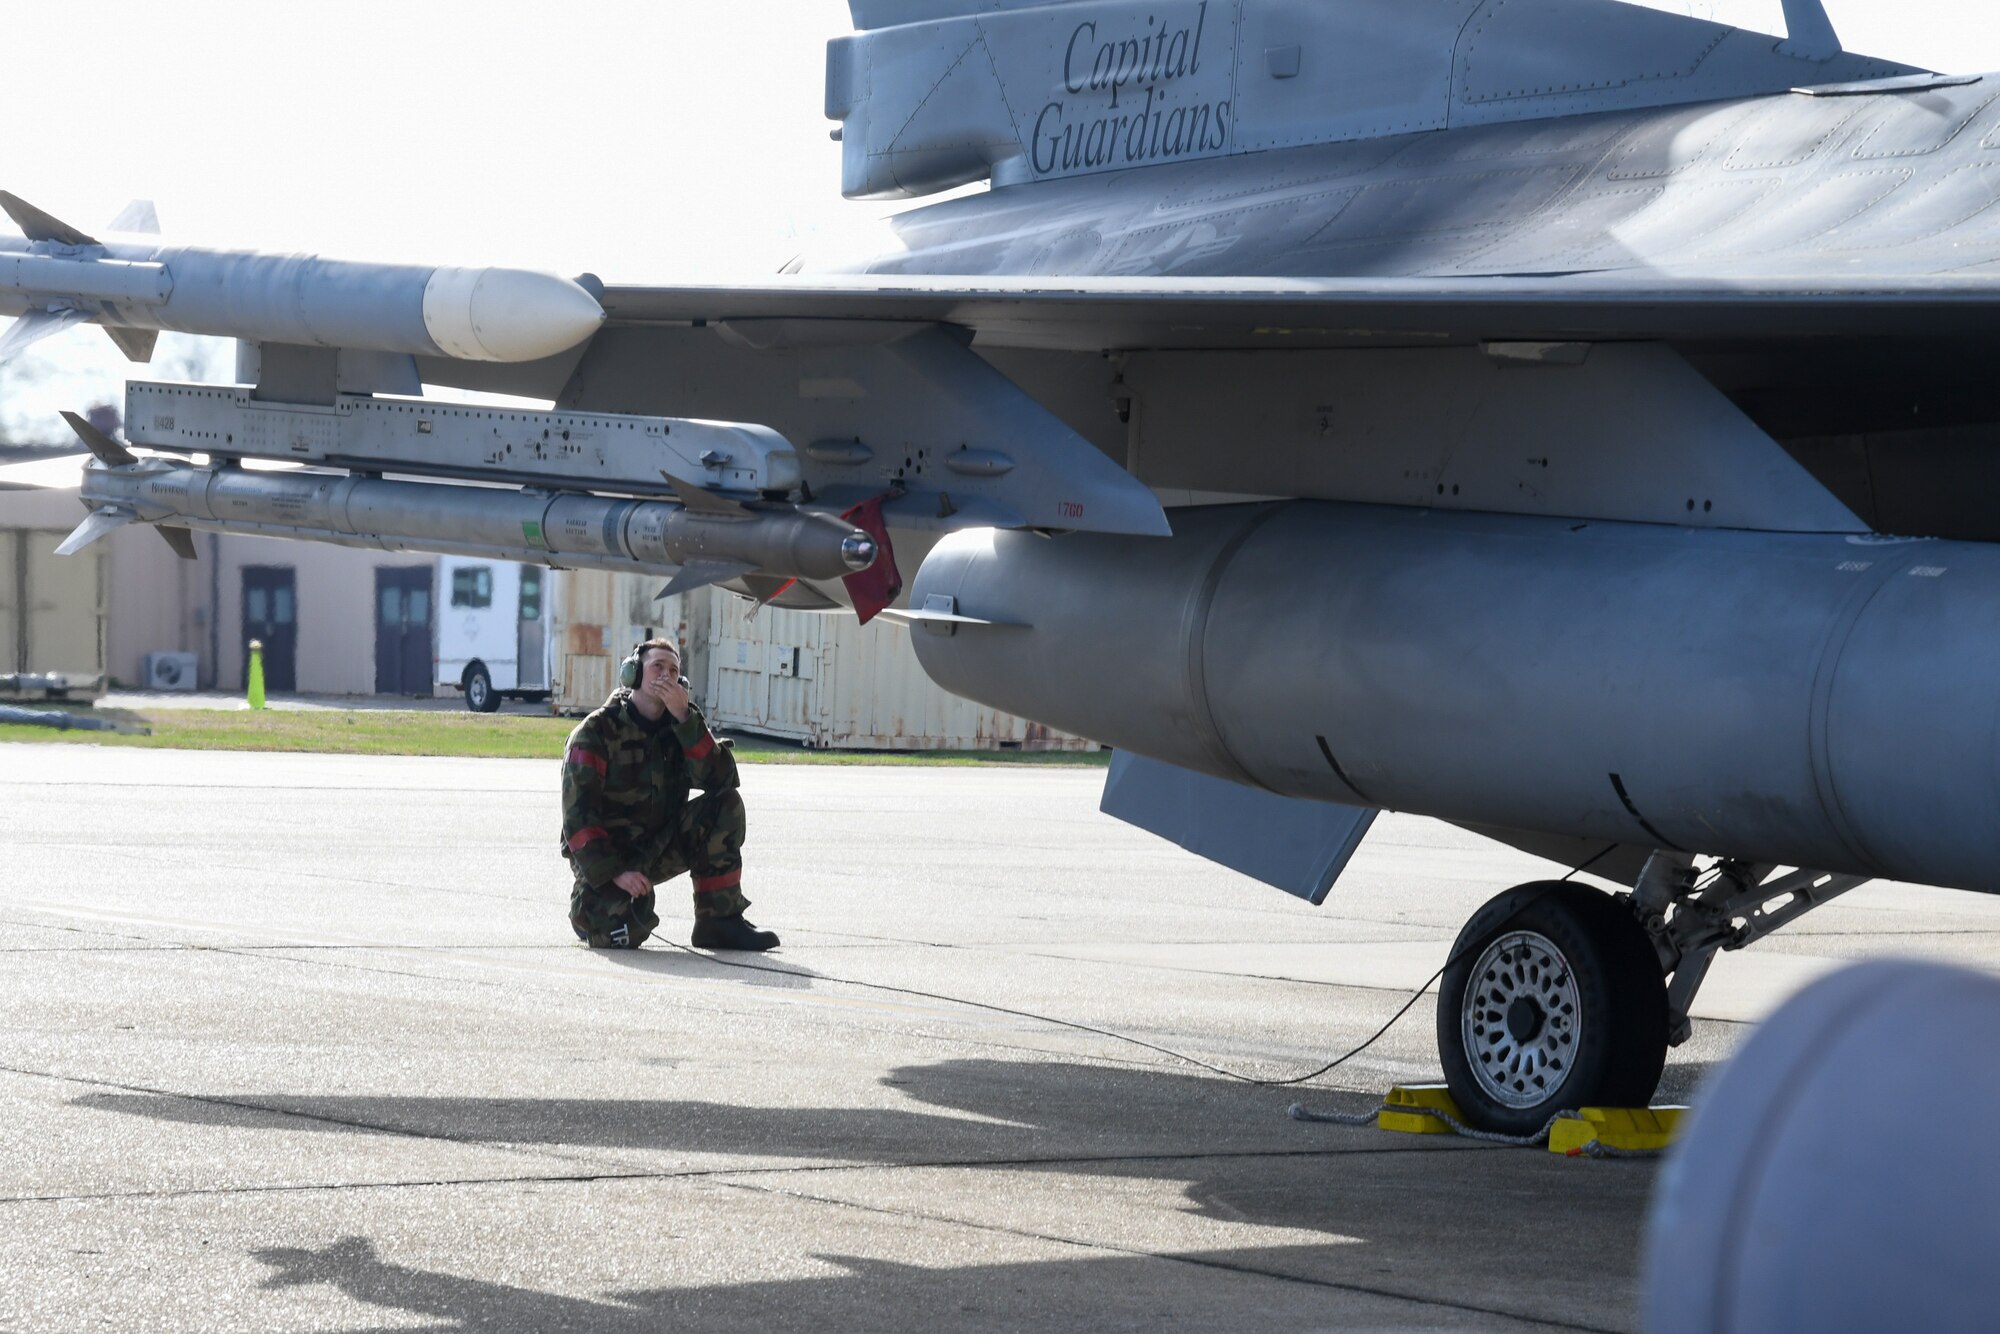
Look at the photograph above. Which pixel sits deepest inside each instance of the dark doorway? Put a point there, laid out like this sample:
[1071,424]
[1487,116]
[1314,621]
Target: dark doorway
[271,616]
[403,630]
[533,639]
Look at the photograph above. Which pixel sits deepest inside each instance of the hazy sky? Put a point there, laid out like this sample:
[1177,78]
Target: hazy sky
[634,140]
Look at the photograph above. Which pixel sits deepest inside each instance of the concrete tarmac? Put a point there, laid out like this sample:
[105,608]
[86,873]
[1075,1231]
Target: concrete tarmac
[303,1042]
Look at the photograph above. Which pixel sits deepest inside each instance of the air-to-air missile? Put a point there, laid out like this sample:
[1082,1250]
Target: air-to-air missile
[706,501]
[55,275]
[701,536]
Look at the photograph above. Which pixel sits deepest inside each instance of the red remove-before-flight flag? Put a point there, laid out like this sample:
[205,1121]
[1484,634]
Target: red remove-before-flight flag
[875,587]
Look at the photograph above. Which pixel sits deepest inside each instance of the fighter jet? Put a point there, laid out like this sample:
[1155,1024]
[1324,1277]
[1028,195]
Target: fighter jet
[1562,418]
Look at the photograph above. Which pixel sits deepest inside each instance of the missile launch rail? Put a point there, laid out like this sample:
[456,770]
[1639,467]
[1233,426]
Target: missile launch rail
[604,451]
[657,518]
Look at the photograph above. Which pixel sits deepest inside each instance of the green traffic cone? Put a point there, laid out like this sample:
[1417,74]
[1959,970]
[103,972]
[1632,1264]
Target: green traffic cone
[256,673]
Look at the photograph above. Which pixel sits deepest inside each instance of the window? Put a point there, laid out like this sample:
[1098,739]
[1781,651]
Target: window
[472,586]
[531,594]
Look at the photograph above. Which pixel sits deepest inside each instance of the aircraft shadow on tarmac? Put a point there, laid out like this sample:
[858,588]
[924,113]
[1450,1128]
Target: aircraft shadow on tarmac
[1378,1199]
[1104,1292]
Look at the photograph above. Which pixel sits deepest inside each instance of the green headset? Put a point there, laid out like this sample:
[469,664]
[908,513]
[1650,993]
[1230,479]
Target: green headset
[629,670]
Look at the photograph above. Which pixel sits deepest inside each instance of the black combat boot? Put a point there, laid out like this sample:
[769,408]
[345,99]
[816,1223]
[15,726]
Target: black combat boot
[731,933]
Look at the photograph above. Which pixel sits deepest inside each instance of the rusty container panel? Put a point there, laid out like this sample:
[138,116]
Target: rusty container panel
[876,696]
[816,679]
[824,681]
[598,617]
[579,618]
[740,683]
[586,680]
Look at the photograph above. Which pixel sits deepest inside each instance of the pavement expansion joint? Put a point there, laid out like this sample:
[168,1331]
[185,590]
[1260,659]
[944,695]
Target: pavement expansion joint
[95,949]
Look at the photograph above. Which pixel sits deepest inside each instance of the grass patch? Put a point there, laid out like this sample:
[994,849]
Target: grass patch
[450,732]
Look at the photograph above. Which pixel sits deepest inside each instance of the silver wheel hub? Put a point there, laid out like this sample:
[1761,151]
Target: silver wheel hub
[1521,1019]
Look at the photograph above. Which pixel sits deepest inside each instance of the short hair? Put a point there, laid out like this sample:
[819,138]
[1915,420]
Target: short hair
[639,653]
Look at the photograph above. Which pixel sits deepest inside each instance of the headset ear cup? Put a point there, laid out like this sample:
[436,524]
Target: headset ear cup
[628,672]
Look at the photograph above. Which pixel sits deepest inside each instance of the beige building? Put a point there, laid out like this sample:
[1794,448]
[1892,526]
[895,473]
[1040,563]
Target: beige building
[333,620]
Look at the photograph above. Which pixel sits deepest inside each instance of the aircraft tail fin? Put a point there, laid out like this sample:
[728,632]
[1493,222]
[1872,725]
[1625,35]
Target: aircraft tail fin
[1809,33]
[933,94]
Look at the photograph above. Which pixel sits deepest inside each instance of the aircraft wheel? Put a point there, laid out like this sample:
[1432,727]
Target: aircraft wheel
[480,696]
[1554,999]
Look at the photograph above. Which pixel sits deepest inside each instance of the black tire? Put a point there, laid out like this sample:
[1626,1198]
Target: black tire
[1590,1031]
[480,696]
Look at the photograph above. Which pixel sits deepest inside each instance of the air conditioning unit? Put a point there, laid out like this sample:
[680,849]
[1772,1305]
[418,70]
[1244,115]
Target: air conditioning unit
[170,671]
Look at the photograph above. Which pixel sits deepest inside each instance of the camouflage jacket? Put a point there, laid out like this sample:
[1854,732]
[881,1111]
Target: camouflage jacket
[624,780]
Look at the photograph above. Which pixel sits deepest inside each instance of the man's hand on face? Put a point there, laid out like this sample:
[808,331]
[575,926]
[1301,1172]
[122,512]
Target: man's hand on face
[672,695]
[662,683]
[633,883]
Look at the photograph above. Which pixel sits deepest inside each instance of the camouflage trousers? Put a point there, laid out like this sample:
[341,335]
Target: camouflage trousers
[707,840]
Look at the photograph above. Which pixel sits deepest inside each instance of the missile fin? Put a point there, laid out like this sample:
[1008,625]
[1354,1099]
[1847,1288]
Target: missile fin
[699,501]
[95,525]
[180,539]
[764,589]
[108,451]
[700,573]
[33,327]
[39,226]
[136,344]
[137,216]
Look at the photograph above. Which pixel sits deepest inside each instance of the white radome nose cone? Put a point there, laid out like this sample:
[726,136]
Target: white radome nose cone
[506,314]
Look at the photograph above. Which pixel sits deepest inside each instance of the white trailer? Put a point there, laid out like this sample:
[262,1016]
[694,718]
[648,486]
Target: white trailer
[493,630]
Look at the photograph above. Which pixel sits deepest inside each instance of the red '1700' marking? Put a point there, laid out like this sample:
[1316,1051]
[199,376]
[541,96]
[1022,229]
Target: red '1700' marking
[1069,509]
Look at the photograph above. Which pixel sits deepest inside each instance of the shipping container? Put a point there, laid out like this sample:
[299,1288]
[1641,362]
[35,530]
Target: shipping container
[595,620]
[818,679]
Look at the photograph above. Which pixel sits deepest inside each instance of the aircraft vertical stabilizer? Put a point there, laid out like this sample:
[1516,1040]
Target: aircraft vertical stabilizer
[946,92]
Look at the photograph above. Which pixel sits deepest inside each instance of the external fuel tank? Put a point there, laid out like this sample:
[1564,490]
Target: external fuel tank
[1812,701]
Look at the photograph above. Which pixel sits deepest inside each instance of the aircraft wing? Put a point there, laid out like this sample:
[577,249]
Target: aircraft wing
[1079,314]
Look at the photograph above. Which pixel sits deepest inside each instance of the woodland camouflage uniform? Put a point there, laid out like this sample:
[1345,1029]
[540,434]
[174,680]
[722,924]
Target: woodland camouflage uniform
[626,807]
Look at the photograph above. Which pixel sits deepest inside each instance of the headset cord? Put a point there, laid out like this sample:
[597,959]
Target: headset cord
[1073,1024]
[1115,1036]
